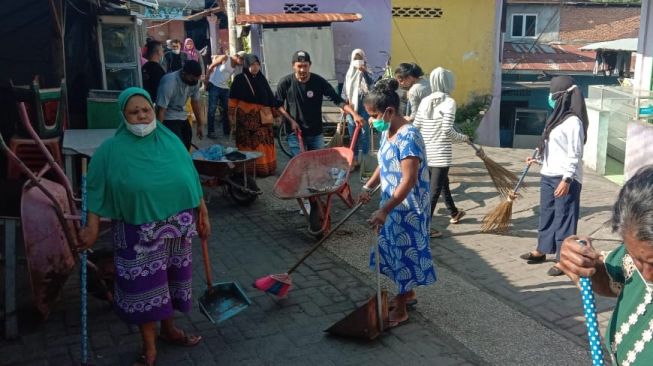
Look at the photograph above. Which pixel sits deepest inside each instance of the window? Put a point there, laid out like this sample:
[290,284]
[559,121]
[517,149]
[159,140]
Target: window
[523,25]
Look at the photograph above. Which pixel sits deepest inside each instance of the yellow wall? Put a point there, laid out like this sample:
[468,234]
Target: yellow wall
[461,40]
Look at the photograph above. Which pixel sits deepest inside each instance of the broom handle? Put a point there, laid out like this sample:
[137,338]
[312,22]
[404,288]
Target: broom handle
[83,274]
[333,229]
[379,305]
[207,264]
[523,173]
[589,307]
[470,143]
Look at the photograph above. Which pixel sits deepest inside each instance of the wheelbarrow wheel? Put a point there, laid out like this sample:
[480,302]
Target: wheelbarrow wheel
[282,139]
[315,221]
[241,196]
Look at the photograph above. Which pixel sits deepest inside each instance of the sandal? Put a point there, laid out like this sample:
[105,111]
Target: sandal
[455,219]
[143,361]
[434,234]
[183,341]
[533,258]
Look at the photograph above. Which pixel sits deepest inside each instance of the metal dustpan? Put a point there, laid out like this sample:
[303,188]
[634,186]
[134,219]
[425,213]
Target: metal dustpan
[363,323]
[369,320]
[223,300]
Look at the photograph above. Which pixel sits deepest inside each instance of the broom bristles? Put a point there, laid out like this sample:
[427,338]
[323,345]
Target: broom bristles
[277,284]
[503,179]
[498,220]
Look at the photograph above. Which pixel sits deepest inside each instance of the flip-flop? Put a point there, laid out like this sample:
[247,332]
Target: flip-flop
[183,341]
[142,360]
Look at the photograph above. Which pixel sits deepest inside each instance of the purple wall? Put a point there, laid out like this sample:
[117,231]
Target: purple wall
[372,34]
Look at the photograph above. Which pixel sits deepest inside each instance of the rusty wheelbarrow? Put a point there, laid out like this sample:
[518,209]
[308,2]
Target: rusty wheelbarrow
[318,176]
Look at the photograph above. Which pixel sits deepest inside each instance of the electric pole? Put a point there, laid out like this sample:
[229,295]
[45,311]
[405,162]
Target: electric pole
[232,10]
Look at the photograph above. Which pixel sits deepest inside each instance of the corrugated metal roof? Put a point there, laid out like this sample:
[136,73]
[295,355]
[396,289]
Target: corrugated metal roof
[283,18]
[538,57]
[625,44]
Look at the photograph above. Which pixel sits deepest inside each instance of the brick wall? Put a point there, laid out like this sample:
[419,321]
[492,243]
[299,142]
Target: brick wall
[579,24]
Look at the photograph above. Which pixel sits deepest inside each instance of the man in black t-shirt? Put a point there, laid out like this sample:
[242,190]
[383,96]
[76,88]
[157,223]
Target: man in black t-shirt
[175,59]
[300,95]
[152,69]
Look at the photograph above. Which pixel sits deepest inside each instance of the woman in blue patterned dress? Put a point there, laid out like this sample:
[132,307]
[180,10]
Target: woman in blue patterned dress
[403,218]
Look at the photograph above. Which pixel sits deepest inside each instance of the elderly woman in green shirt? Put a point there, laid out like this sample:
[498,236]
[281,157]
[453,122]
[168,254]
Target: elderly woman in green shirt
[625,273]
[144,180]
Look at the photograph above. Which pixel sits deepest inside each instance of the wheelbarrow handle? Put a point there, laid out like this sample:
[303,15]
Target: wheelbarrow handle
[300,140]
[207,264]
[354,138]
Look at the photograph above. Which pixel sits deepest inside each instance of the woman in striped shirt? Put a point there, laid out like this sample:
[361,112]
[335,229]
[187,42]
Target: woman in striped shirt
[434,119]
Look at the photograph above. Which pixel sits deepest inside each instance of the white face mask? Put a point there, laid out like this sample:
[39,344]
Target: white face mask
[176,52]
[142,129]
[358,63]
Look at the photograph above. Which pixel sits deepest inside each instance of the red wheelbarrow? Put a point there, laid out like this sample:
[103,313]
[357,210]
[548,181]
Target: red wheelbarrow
[318,176]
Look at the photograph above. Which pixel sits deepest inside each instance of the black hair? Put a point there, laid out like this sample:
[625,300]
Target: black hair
[175,41]
[408,69]
[633,211]
[383,95]
[150,48]
[192,67]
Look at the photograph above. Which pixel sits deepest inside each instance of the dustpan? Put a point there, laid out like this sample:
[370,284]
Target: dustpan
[223,300]
[369,320]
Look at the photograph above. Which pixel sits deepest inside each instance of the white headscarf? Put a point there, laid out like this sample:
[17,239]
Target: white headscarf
[355,84]
[442,84]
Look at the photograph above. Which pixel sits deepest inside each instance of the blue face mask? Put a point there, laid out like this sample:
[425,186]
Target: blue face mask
[552,102]
[380,124]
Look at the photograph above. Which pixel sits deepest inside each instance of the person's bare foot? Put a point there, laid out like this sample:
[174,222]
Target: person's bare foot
[399,314]
[178,337]
[410,296]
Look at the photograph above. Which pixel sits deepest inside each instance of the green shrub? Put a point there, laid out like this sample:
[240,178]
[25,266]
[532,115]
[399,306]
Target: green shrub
[469,115]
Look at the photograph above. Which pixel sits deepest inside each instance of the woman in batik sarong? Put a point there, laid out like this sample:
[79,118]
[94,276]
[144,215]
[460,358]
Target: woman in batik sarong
[249,93]
[625,272]
[144,180]
[403,217]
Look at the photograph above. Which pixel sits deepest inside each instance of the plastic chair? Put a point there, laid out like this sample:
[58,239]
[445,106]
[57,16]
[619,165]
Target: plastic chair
[41,103]
[28,151]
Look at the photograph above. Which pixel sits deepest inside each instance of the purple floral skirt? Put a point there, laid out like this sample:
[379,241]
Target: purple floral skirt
[153,268]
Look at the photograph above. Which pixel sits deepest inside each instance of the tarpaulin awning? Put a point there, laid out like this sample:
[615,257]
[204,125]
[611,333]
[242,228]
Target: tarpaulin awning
[304,18]
[624,44]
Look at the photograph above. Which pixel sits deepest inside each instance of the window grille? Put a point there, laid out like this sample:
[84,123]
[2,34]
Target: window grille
[417,12]
[299,8]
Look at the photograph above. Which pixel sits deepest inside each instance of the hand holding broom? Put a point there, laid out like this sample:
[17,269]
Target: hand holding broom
[498,220]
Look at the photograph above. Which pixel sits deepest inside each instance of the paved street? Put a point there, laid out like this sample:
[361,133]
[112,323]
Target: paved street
[488,307]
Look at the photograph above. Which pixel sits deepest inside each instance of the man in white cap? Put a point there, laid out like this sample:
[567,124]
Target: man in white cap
[220,72]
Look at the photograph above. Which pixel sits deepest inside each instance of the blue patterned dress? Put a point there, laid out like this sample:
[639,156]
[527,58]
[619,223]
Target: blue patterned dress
[404,238]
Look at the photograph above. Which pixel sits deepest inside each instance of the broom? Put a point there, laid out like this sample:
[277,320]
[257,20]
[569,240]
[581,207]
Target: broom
[337,139]
[279,284]
[502,178]
[498,220]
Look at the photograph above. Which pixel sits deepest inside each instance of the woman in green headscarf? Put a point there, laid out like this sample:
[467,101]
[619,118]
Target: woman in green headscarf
[144,180]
